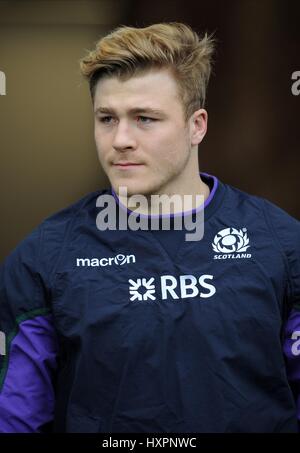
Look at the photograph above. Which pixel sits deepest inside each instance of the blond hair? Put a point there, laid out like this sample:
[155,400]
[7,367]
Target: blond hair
[129,51]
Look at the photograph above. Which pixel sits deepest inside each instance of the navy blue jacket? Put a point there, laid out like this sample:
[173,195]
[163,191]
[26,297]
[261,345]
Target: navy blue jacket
[137,331]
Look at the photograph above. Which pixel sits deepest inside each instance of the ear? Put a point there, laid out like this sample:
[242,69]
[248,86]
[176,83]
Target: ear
[198,126]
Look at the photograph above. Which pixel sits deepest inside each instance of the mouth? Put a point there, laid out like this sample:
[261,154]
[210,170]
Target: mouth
[126,165]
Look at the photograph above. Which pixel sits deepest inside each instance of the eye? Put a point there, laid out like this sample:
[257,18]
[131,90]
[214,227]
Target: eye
[146,119]
[105,119]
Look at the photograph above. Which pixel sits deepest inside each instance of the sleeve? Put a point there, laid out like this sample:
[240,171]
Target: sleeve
[287,231]
[28,343]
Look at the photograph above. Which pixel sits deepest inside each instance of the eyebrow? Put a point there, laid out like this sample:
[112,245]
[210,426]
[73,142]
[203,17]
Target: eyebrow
[134,111]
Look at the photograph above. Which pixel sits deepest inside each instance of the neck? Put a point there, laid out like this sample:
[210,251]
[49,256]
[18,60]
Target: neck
[180,198]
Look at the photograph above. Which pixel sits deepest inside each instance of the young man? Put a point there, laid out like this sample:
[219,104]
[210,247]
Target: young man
[140,330]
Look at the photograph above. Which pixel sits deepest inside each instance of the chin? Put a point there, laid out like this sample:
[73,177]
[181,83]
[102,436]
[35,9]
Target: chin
[134,187]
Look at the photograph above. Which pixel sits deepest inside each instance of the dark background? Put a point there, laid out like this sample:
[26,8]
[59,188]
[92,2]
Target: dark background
[48,156]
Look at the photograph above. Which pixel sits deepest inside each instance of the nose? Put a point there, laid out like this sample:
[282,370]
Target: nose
[123,138]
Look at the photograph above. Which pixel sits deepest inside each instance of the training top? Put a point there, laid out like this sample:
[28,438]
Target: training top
[134,330]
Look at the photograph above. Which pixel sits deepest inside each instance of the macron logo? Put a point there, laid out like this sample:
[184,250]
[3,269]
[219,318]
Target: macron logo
[118,260]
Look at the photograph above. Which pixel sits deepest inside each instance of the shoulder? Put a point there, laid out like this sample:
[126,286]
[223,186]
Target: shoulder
[40,249]
[283,230]
[275,217]
[67,215]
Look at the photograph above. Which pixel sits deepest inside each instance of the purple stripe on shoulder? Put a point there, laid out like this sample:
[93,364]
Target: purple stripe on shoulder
[27,395]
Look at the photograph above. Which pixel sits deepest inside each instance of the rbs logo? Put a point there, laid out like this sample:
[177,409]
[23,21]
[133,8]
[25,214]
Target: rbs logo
[182,287]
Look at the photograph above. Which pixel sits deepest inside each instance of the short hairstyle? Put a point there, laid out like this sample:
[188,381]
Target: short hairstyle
[129,51]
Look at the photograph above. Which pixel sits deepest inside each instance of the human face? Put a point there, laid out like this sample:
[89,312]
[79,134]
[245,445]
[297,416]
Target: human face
[142,138]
